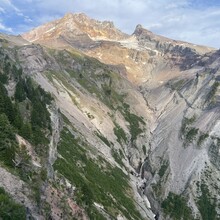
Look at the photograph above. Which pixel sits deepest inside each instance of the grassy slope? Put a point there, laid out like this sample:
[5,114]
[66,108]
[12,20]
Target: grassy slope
[96,180]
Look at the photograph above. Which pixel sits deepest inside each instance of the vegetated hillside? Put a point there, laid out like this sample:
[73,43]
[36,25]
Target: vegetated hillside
[134,138]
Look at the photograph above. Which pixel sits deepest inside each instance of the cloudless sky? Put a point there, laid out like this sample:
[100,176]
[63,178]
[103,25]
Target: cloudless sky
[195,21]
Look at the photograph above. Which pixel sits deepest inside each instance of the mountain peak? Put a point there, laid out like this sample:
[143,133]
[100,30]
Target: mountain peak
[75,25]
[81,31]
[70,15]
[139,30]
[138,27]
[80,17]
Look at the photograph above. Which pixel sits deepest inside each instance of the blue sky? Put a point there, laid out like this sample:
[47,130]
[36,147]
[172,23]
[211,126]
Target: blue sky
[195,21]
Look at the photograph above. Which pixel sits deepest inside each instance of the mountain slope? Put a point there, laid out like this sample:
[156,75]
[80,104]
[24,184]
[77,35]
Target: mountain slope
[134,126]
[92,131]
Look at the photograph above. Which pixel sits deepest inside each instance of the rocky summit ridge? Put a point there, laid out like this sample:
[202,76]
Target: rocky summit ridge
[75,27]
[104,42]
[98,124]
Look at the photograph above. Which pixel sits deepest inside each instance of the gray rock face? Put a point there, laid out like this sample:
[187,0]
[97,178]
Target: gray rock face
[56,123]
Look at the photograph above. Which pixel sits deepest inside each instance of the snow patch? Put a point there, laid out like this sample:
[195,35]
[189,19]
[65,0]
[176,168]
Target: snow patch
[50,30]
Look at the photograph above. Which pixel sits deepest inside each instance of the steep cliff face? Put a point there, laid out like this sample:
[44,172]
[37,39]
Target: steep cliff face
[184,139]
[134,122]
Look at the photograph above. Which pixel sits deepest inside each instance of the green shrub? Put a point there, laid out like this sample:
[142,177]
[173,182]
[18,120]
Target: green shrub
[144,149]
[191,134]
[206,204]
[3,78]
[188,133]
[7,141]
[120,134]
[213,91]
[26,131]
[163,169]
[20,94]
[104,139]
[117,157]
[176,207]
[202,138]
[186,122]
[10,210]
[134,122]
